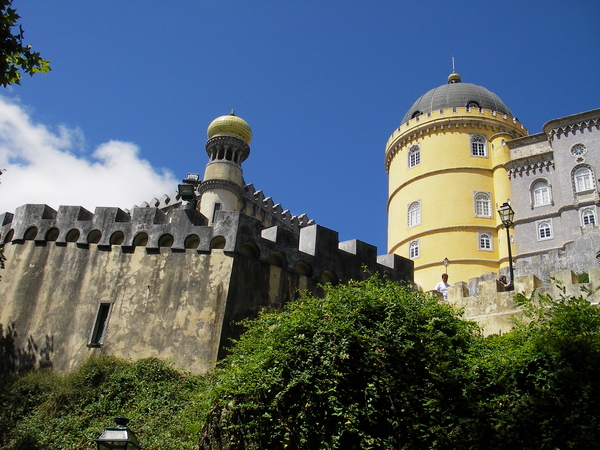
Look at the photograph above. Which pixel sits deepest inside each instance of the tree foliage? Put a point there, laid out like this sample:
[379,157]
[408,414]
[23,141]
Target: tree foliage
[373,365]
[16,57]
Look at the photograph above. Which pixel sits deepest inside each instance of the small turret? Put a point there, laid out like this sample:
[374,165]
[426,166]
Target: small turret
[227,147]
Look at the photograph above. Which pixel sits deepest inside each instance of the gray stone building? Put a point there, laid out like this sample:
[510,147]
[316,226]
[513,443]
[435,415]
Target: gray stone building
[554,184]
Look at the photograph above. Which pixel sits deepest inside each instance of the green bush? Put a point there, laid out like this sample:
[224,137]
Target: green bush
[41,410]
[373,365]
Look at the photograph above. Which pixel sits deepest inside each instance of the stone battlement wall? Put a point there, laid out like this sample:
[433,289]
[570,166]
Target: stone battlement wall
[169,285]
[313,250]
[255,204]
[493,307]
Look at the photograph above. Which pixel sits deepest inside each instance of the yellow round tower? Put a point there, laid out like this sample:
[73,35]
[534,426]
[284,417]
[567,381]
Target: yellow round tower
[445,164]
[227,147]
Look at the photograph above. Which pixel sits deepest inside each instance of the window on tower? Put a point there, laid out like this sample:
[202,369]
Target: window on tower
[478,145]
[414,156]
[483,204]
[413,250]
[485,241]
[414,214]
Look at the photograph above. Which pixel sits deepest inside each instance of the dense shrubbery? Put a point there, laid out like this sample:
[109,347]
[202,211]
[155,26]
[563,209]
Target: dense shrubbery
[44,411]
[378,366]
[373,365]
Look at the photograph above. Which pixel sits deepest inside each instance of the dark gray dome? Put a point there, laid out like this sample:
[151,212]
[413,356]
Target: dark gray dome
[456,94]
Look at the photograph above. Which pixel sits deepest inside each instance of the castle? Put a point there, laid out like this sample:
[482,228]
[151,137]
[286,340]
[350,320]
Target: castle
[458,155]
[172,277]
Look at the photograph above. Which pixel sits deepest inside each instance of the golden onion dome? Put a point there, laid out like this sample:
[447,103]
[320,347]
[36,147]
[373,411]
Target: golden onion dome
[230,125]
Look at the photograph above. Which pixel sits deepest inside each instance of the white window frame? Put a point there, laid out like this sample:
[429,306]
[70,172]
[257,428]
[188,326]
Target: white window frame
[588,212]
[546,225]
[485,241]
[414,249]
[414,156]
[482,206]
[583,183]
[413,214]
[478,145]
[541,193]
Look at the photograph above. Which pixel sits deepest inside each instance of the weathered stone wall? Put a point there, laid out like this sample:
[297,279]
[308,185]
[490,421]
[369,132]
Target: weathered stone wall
[166,304]
[494,308]
[166,299]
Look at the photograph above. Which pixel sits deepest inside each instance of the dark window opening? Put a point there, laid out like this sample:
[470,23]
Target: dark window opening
[217,208]
[100,323]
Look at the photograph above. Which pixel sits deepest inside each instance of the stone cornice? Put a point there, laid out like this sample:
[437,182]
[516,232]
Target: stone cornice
[451,118]
[210,185]
[437,172]
[531,164]
[572,124]
[444,229]
[458,261]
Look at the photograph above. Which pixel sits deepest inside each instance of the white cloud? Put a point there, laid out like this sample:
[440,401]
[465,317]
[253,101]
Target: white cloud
[50,167]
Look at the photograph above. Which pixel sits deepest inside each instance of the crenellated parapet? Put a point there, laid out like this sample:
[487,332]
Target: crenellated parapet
[313,250]
[259,206]
[254,203]
[486,300]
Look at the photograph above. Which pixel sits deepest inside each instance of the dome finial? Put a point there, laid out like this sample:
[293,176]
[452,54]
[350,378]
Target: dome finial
[232,113]
[453,77]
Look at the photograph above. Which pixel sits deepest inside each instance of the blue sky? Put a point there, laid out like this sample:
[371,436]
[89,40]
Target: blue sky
[122,116]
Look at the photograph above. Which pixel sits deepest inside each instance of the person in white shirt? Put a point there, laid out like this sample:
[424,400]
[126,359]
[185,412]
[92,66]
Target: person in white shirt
[443,286]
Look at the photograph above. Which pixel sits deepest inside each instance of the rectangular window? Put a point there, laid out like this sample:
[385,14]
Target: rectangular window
[97,337]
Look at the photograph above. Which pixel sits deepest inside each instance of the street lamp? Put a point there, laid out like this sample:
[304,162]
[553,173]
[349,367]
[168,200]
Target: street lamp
[507,216]
[446,261]
[118,437]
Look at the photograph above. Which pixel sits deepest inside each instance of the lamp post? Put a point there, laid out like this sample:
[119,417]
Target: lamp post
[446,261]
[118,437]
[187,191]
[507,216]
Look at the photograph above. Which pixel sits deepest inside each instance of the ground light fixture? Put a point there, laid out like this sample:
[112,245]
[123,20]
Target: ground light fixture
[507,216]
[118,437]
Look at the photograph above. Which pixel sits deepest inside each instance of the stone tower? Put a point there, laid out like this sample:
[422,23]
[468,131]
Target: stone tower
[227,147]
[446,167]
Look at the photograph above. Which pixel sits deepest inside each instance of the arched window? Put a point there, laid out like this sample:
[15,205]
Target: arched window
[413,250]
[540,193]
[544,230]
[583,179]
[478,145]
[485,241]
[414,156]
[414,214]
[483,204]
[588,216]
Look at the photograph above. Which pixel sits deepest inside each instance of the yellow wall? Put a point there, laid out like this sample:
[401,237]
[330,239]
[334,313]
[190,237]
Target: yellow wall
[445,182]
